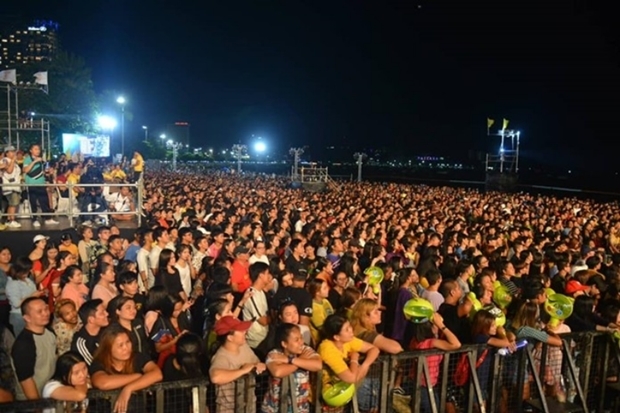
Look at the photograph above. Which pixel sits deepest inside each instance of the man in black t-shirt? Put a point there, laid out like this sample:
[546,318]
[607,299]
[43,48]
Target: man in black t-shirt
[34,351]
[94,317]
[455,315]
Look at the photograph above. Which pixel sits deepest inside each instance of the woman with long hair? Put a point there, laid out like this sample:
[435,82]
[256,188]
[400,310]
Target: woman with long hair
[183,265]
[168,275]
[484,331]
[185,363]
[70,380]
[122,310]
[117,366]
[51,282]
[425,337]
[42,266]
[365,317]
[292,361]
[321,308]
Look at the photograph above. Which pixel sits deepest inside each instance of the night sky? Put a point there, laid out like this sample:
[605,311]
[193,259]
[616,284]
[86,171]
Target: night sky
[418,75]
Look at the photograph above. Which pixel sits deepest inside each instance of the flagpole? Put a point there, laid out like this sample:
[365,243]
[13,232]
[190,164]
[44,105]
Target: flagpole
[17,116]
[8,105]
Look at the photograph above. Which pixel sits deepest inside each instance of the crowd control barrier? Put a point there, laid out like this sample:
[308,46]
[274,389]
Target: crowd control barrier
[580,376]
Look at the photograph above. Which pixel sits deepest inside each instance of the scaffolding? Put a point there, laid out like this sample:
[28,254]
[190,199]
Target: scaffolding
[502,169]
[507,158]
[15,125]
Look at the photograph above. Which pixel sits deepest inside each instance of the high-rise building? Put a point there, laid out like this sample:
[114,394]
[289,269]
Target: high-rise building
[27,43]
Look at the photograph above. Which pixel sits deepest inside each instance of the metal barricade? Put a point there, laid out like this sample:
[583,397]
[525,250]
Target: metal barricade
[138,196]
[575,377]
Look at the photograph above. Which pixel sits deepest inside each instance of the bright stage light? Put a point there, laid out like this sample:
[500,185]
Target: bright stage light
[106,122]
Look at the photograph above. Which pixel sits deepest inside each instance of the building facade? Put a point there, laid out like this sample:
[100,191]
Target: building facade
[27,43]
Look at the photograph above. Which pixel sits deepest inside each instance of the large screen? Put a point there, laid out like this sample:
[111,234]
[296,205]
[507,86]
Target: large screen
[96,146]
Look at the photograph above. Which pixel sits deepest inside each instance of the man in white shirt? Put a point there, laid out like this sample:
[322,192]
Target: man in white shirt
[257,308]
[146,277]
[122,201]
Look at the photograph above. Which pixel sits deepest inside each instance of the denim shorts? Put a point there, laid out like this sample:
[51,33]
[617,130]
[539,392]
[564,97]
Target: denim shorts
[368,394]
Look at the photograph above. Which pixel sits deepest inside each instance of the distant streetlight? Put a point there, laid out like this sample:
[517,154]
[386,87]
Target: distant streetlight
[121,101]
[106,122]
[260,147]
[146,133]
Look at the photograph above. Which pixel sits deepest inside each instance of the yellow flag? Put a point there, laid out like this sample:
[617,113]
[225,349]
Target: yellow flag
[505,125]
[490,122]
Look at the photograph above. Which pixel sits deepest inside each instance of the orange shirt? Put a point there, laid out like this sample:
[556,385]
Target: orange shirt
[240,275]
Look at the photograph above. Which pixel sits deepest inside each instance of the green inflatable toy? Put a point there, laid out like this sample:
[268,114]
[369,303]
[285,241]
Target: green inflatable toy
[339,394]
[418,310]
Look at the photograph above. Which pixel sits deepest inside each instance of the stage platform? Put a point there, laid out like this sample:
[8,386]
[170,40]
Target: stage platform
[19,240]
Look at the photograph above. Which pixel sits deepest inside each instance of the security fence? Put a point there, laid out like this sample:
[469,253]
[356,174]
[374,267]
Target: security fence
[580,376]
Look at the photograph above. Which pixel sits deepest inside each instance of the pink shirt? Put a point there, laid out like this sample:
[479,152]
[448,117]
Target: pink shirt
[78,293]
[104,294]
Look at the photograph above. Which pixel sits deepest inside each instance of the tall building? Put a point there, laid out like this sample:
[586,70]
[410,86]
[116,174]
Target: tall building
[27,43]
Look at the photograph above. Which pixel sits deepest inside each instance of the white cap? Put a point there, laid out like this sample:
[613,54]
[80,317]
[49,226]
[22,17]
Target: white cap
[38,238]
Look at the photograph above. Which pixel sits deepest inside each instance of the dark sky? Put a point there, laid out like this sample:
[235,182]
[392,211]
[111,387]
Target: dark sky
[420,75]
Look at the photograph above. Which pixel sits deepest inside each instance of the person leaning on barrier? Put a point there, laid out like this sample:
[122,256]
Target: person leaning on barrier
[117,366]
[232,360]
[70,380]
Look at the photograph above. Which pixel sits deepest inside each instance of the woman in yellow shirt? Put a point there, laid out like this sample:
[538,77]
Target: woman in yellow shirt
[340,352]
[321,308]
[138,166]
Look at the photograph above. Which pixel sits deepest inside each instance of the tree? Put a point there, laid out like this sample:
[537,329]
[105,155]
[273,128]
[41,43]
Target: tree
[71,104]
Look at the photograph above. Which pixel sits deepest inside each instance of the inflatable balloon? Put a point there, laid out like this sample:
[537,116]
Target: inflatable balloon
[501,296]
[559,307]
[418,310]
[339,394]
[375,277]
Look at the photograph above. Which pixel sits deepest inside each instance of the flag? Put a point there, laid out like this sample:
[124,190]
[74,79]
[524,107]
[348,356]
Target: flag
[505,125]
[9,76]
[490,123]
[40,78]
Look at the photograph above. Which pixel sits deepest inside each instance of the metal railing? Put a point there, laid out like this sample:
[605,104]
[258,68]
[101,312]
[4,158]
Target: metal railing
[575,377]
[74,200]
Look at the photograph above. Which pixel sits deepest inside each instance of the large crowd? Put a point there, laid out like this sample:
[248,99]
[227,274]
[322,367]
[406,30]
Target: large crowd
[234,276]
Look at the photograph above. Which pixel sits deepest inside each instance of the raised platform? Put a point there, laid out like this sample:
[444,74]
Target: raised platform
[501,181]
[19,240]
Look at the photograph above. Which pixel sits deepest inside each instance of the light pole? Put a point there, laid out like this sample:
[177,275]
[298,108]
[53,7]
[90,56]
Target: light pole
[175,151]
[237,152]
[296,152]
[359,156]
[162,137]
[146,133]
[121,101]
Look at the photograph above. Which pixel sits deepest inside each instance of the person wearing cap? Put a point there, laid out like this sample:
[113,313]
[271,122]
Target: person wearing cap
[233,360]
[66,244]
[574,288]
[240,273]
[11,178]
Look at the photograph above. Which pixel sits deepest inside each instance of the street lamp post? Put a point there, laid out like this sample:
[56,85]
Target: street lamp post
[237,151]
[121,101]
[146,133]
[359,160]
[296,152]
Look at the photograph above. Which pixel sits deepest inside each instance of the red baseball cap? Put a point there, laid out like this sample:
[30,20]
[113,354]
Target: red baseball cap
[227,324]
[574,286]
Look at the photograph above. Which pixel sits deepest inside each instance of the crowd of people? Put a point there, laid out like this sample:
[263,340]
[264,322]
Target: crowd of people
[30,183]
[233,277]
